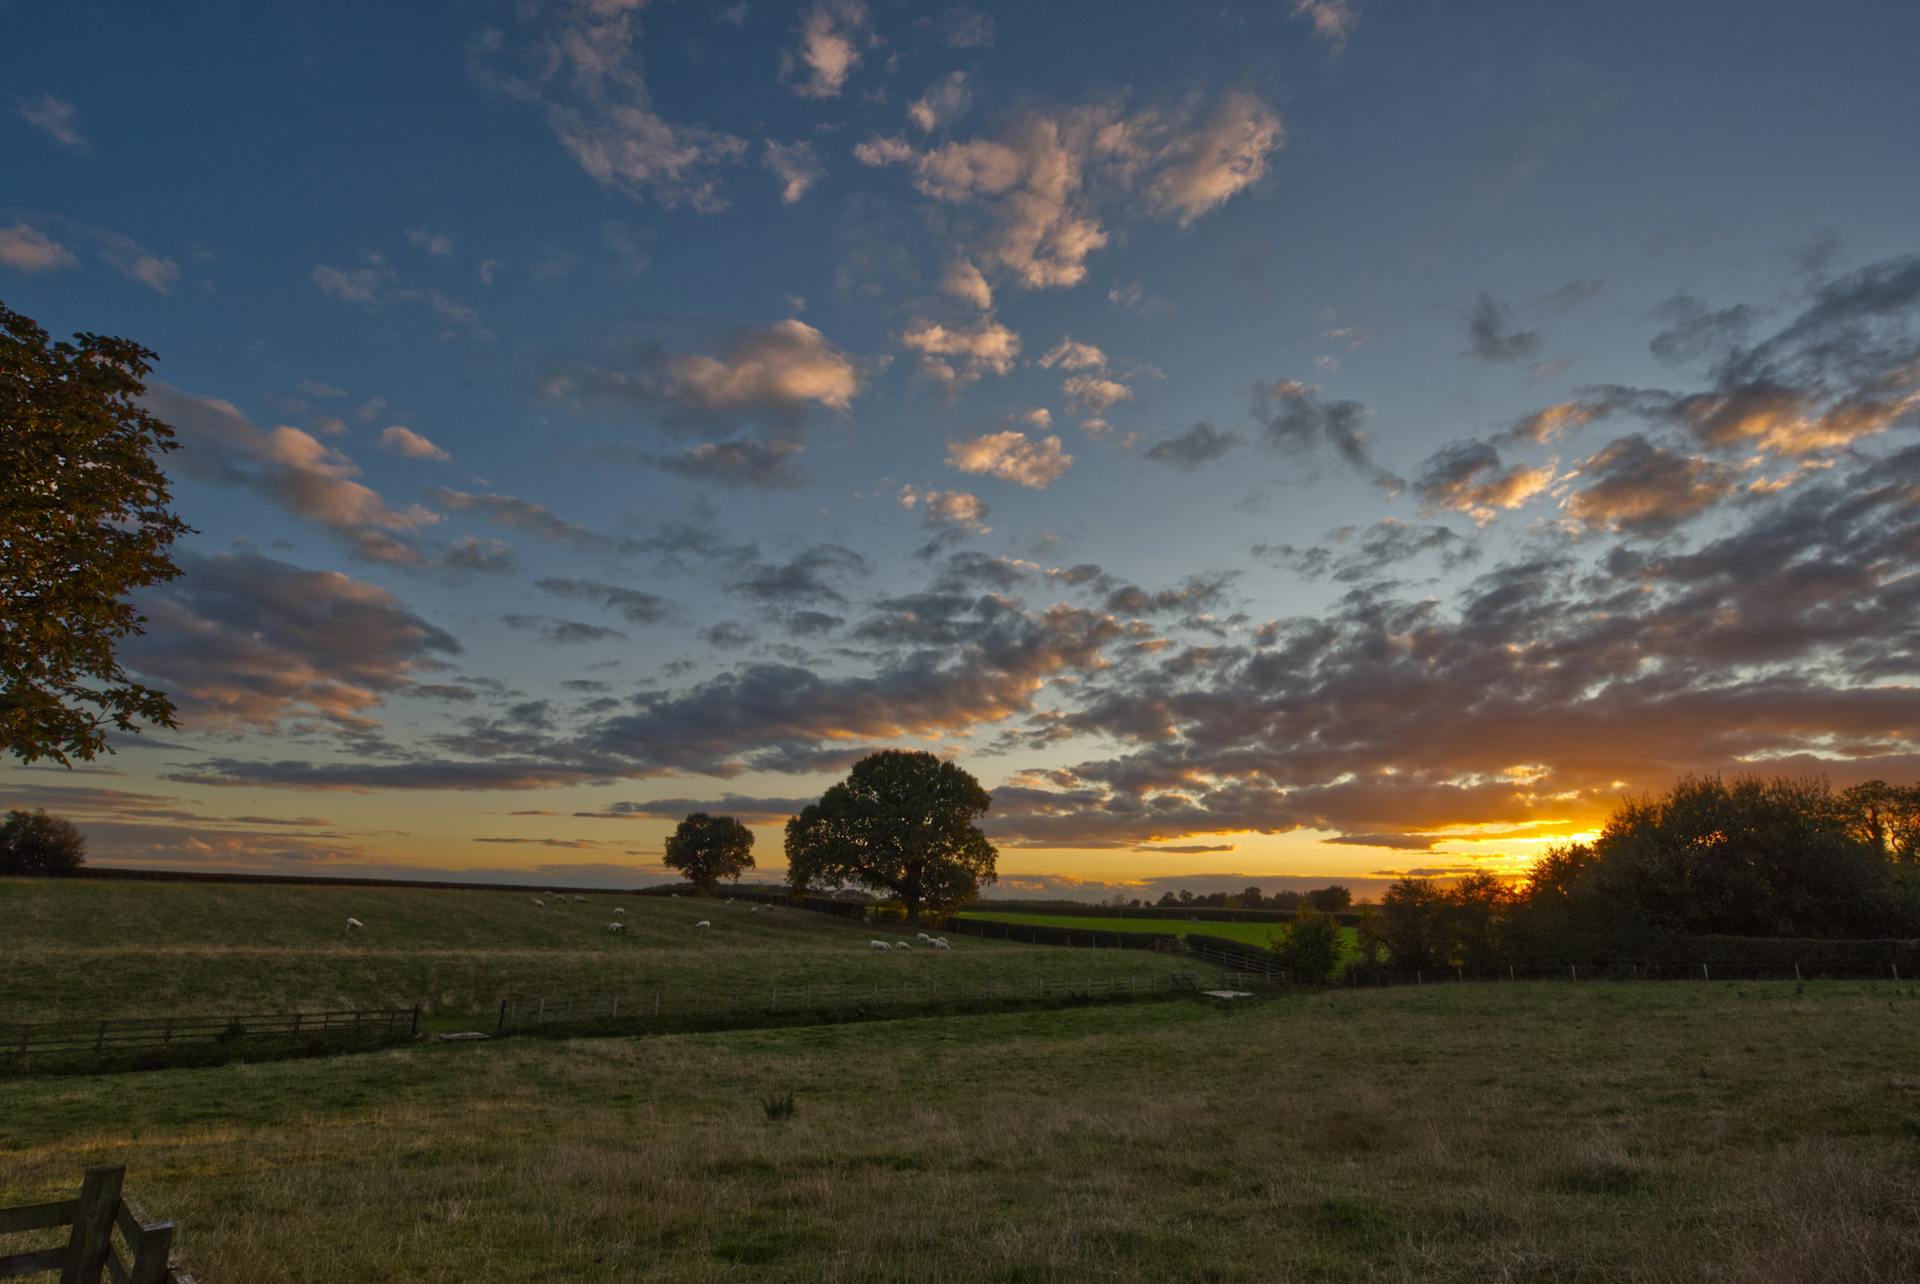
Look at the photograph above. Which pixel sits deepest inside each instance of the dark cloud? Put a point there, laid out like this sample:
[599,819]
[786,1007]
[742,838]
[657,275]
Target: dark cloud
[813,624]
[632,605]
[1297,419]
[728,635]
[1352,554]
[562,632]
[1696,333]
[1571,295]
[1635,486]
[1200,444]
[484,556]
[808,577]
[1470,477]
[1492,334]
[748,810]
[524,515]
[745,463]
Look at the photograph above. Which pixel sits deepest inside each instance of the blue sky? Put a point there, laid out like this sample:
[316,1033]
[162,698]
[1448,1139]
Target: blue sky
[1274,440]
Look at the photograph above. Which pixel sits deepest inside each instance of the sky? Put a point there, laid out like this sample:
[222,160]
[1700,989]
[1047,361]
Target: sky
[1265,443]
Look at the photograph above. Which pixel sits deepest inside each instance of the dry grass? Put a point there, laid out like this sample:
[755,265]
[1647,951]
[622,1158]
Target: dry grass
[1651,1132]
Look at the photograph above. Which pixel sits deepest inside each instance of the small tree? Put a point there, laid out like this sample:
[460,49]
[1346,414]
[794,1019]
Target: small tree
[1309,946]
[35,844]
[1331,899]
[84,520]
[709,848]
[901,824]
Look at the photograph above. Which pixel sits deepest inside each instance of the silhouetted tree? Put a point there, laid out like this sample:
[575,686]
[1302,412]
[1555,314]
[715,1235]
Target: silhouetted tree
[1412,923]
[35,844]
[900,823]
[1330,900]
[1309,946]
[709,848]
[1884,817]
[84,520]
[1251,898]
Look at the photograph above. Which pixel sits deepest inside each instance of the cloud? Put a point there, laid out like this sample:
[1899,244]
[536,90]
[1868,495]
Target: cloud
[965,27]
[245,639]
[133,261]
[1095,394]
[633,605]
[1332,20]
[374,285]
[561,632]
[519,514]
[1297,418]
[1493,336]
[1071,354]
[884,150]
[1468,477]
[828,47]
[807,577]
[57,118]
[579,65]
[797,168]
[1201,169]
[1634,486]
[1011,456]
[945,101]
[964,281]
[28,250]
[486,556]
[746,463]
[954,511]
[401,440]
[438,244]
[289,467]
[1200,444]
[985,347]
[773,375]
[1354,554]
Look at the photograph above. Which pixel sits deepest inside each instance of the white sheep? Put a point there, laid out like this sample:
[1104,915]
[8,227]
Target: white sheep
[878,945]
[675,895]
[925,937]
[940,943]
[353,923]
[538,903]
[579,900]
[703,923]
[729,900]
[619,911]
[616,927]
[901,945]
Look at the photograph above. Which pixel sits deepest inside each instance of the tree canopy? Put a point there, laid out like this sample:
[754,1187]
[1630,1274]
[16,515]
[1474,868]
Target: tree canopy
[84,520]
[35,844]
[709,848]
[900,824]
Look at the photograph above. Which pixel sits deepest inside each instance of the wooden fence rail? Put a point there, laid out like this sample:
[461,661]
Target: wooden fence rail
[140,1034]
[90,1220]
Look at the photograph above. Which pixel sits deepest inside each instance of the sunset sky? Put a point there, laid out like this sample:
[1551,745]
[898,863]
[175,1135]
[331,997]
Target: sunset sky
[1263,442]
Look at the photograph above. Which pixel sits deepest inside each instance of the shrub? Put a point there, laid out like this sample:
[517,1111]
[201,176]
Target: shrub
[1309,947]
[38,845]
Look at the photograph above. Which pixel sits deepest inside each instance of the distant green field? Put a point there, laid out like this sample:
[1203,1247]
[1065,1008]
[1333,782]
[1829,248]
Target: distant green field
[1260,934]
[103,948]
[1657,1132]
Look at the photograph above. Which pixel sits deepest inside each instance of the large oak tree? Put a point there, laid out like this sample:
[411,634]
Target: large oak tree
[84,520]
[709,848]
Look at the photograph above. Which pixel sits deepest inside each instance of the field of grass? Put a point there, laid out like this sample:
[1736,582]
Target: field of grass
[100,948]
[1655,1132]
[1256,934]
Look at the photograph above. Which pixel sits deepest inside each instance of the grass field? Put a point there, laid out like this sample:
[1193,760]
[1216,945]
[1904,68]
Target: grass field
[103,948]
[1653,1132]
[1257,934]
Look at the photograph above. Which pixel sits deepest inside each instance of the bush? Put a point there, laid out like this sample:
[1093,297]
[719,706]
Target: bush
[1309,948]
[38,845]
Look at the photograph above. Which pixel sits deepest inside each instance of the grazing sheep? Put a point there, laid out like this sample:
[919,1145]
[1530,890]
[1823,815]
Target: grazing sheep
[878,945]
[940,943]
[579,900]
[729,900]
[619,911]
[538,903]
[901,945]
[675,895]
[616,927]
[925,937]
[353,923]
[703,923]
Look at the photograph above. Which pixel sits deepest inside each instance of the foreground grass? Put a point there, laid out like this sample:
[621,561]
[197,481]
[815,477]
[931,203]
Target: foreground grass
[93,949]
[1258,934]
[1650,1132]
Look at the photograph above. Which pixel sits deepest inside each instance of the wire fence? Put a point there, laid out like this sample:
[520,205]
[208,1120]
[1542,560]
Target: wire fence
[108,1036]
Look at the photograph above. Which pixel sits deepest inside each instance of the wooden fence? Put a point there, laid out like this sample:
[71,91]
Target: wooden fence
[90,1219]
[536,1011]
[145,1034]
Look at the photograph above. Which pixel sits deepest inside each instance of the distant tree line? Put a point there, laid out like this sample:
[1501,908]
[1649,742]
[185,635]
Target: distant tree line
[1328,900]
[1747,857]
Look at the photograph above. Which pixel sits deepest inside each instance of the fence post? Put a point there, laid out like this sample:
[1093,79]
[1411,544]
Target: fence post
[1796,972]
[150,1259]
[615,1014]
[92,1236]
[500,1027]
[656,1003]
[1574,969]
[413,1031]
[100,1038]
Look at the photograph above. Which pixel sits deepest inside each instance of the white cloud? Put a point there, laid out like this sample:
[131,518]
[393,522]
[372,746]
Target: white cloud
[831,35]
[402,440]
[945,101]
[1096,394]
[133,261]
[29,250]
[884,150]
[1071,354]
[1332,20]
[1011,456]
[955,510]
[1206,167]
[57,118]
[796,166]
[581,68]
[374,284]
[964,281]
[438,244]
[985,347]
